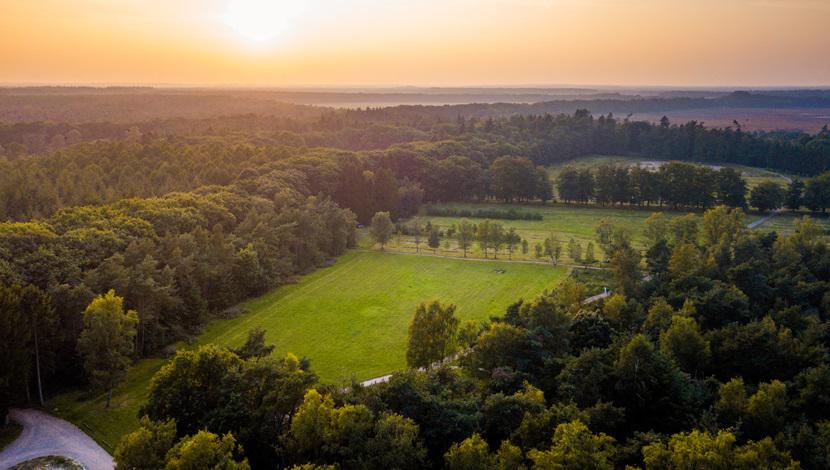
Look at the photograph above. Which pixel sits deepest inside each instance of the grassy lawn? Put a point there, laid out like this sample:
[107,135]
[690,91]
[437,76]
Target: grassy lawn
[349,319]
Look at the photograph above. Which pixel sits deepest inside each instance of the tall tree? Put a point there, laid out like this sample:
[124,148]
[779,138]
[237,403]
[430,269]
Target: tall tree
[767,196]
[432,334]
[106,342]
[382,228]
[42,320]
[465,235]
[795,195]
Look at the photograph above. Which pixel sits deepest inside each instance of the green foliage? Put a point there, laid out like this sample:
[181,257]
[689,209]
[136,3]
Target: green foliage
[213,388]
[433,334]
[698,449]
[382,228]
[767,196]
[146,447]
[684,343]
[206,450]
[254,345]
[470,454]
[576,447]
[106,342]
[352,437]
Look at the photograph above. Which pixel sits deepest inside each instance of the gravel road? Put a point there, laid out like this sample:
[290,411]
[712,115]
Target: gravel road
[44,435]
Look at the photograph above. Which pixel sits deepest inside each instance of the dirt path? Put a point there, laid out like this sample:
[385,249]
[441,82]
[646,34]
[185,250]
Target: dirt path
[763,219]
[44,435]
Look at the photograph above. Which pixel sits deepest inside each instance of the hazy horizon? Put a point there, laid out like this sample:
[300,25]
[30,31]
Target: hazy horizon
[432,43]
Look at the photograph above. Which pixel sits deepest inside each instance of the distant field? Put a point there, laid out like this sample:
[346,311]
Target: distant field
[561,222]
[751,119]
[349,319]
[753,176]
[784,224]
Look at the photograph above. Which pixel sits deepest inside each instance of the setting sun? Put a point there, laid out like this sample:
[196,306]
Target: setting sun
[261,21]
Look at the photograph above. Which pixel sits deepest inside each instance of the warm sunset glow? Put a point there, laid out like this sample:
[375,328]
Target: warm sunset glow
[261,20]
[423,42]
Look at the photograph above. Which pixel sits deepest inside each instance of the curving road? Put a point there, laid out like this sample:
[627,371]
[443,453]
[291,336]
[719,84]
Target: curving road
[44,435]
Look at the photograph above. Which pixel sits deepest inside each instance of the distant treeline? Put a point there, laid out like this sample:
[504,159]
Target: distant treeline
[532,131]
[396,180]
[510,214]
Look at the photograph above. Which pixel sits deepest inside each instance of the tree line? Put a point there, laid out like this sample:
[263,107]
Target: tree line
[451,160]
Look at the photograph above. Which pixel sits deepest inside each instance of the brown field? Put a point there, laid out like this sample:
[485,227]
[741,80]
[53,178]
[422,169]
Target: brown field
[753,119]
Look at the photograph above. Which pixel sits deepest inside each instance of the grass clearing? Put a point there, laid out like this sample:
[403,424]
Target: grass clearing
[349,319]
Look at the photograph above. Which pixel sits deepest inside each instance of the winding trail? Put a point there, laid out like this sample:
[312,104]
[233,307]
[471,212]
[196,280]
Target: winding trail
[44,434]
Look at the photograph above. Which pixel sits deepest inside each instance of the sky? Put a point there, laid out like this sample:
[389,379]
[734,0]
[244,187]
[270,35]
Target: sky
[416,42]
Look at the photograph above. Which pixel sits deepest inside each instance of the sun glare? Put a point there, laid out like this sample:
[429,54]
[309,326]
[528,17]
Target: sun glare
[261,21]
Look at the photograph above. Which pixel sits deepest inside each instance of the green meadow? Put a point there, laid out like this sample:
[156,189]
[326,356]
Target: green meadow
[349,319]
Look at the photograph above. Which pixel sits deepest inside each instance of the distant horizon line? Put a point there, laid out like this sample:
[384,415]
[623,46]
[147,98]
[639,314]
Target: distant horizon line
[402,87]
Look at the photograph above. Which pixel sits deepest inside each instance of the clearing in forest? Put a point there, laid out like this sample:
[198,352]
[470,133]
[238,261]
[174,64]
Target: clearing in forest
[349,319]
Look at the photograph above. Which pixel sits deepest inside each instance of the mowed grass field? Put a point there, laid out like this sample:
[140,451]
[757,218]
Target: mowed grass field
[349,319]
[559,221]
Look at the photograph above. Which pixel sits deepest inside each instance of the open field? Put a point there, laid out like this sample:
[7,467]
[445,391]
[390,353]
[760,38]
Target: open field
[784,224]
[561,222]
[349,319]
[751,119]
[753,176]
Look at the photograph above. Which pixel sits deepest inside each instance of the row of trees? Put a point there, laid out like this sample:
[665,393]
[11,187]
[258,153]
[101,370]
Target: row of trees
[675,184]
[488,235]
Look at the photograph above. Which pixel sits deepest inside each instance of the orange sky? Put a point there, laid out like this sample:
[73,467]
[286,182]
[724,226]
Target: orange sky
[417,42]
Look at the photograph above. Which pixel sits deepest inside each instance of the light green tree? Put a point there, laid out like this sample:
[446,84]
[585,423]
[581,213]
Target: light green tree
[146,447]
[432,334]
[657,227]
[575,447]
[382,228]
[465,235]
[699,449]
[107,341]
[574,251]
[684,343]
[470,454]
[206,450]
[590,257]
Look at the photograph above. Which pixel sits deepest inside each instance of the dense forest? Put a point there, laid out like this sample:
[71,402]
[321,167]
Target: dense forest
[451,160]
[120,238]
